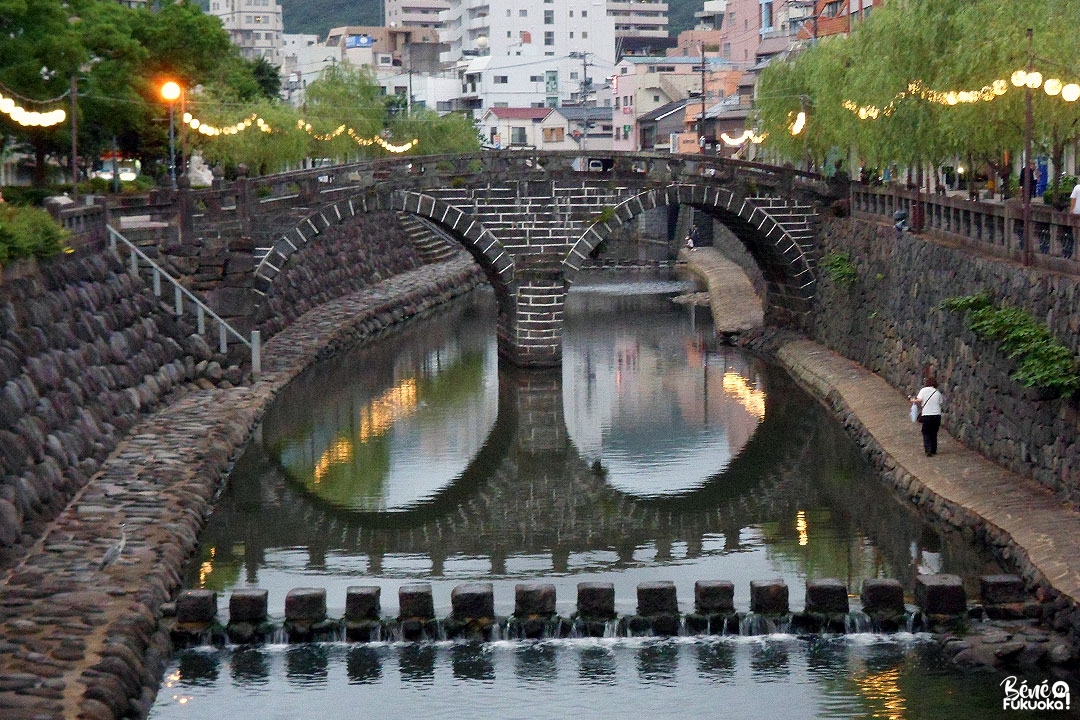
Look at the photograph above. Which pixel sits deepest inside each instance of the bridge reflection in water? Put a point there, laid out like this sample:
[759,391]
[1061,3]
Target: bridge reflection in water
[649,455]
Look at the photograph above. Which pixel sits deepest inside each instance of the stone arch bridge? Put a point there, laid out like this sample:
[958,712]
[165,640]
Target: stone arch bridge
[531,219]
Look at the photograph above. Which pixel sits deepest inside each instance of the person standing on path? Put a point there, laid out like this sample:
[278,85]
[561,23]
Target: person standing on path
[930,402]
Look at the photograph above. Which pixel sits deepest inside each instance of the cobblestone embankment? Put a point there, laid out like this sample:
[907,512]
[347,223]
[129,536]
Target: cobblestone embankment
[79,641]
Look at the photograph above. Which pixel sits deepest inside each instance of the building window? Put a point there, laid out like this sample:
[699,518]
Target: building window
[501,79]
[509,13]
[584,13]
[549,37]
[656,98]
[584,34]
[554,135]
[517,136]
[523,13]
[536,78]
[571,34]
[549,17]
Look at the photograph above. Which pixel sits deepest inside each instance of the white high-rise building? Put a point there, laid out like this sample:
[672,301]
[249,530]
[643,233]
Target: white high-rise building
[529,53]
[639,18]
[254,26]
[418,14]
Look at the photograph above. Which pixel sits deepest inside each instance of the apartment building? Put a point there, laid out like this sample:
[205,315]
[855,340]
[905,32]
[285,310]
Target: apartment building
[528,53]
[420,15]
[254,26]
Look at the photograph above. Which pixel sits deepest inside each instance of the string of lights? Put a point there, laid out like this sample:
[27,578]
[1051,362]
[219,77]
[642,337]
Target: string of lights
[1069,92]
[30,118]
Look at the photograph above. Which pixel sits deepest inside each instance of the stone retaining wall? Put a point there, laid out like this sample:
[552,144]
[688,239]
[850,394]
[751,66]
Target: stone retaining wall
[82,641]
[890,320]
[342,259]
[84,352]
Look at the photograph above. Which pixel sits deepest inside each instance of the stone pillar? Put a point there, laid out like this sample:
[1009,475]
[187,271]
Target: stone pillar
[531,322]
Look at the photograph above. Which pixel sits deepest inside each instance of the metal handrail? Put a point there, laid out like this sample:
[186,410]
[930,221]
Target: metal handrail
[201,309]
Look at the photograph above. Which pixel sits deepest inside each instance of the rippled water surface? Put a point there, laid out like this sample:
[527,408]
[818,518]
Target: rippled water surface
[652,454]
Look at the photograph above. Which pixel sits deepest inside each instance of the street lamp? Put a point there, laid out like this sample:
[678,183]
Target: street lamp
[171,91]
[1029,80]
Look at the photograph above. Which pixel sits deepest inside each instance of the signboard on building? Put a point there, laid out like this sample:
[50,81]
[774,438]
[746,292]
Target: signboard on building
[358,41]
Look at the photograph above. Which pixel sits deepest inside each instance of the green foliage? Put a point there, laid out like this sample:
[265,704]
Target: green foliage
[28,232]
[948,45]
[1059,197]
[606,214]
[840,268]
[1042,360]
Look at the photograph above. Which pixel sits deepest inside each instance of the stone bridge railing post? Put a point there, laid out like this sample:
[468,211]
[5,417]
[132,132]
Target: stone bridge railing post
[243,205]
[185,206]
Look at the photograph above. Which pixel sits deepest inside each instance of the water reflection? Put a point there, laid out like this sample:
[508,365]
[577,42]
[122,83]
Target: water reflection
[900,677]
[650,456]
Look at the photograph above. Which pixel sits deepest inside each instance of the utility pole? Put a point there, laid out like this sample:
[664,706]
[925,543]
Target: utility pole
[74,92]
[701,122]
[584,78]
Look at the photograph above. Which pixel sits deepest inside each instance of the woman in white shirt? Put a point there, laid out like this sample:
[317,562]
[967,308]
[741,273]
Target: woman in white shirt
[930,402]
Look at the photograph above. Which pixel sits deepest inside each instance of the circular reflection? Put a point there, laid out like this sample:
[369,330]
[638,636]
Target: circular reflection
[388,430]
[660,413]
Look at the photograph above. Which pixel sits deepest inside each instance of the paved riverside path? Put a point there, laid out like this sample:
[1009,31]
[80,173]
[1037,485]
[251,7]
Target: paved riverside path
[959,484]
[734,303]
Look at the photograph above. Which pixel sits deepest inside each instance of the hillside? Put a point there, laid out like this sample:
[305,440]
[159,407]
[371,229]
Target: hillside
[318,16]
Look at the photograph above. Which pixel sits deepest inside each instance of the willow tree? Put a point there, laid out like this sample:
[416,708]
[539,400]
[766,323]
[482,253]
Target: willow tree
[261,135]
[1002,46]
[435,134]
[809,82]
[344,108]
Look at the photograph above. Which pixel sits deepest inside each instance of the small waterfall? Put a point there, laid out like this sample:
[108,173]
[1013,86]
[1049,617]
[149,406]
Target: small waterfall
[279,636]
[755,624]
[611,628]
[857,621]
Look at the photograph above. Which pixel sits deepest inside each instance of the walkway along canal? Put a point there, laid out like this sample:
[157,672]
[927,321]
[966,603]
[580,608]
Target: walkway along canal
[81,642]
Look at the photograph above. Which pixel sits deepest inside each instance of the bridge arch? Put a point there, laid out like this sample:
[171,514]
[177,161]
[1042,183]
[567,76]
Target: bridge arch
[785,263]
[532,236]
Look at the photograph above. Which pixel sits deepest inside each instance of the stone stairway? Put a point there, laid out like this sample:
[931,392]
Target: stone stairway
[433,244]
[796,219]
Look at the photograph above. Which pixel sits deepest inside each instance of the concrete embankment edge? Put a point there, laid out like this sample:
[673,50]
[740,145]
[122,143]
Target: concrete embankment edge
[1019,519]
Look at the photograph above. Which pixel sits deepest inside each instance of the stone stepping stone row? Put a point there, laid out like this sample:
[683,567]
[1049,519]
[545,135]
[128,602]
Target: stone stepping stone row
[940,598]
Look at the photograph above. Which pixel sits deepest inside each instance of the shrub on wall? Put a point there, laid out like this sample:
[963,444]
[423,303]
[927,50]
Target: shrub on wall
[840,268]
[28,232]
[1042,360]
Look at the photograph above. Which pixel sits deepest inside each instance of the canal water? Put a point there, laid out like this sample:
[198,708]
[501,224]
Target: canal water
[652,454]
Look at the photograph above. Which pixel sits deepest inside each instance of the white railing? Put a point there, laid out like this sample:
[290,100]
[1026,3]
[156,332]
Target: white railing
[179,293]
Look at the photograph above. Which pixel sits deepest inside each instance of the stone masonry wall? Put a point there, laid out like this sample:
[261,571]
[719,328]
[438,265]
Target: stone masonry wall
[84,351]
[891,321]
[342,259]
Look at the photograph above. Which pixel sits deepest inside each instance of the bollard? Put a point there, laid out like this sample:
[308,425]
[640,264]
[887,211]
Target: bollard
[769,597]
[940,594]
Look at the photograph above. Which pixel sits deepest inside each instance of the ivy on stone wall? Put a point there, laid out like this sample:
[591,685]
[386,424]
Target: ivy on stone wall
[840,268]
[1042,360]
